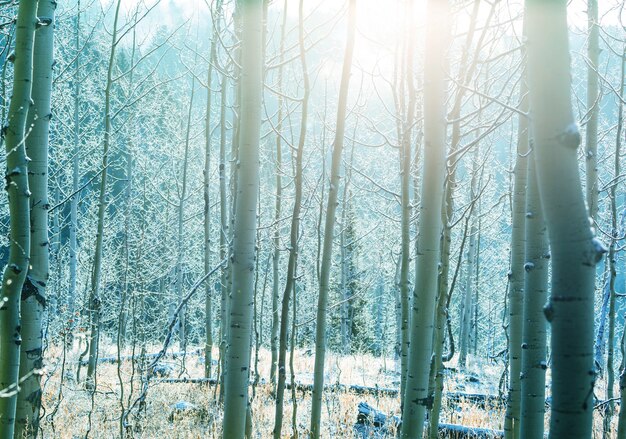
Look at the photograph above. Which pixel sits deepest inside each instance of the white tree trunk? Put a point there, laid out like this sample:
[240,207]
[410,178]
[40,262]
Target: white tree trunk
[574,249]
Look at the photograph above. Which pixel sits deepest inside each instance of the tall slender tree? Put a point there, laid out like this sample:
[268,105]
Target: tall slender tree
[534,335]
[591,132]
[516,275]
[442,319]
[95,301]
[416,399]
[274,341]
[470,275]
[245,223]
[34,295]
[574,249]
[73,224]
[96,274]
[294,234]
[612,264]
[208,308]
[224,302]
[329,225]
[18,192]
[180,212]
[406,131]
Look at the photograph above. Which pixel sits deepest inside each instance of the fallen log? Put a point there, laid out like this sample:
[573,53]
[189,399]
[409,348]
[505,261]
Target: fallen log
[372,423]
[354,388]
[299,386]
[456,431]
[481,400]
[114,359]
[210,381]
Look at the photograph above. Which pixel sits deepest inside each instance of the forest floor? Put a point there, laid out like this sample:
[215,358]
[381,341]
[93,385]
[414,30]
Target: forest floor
[70,411]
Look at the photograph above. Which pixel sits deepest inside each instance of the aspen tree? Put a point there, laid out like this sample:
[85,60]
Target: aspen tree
[466,314]
[34,298]
[534,335]
[16,177]
[94,297]
[591,132]
[574,250]
[405,204]
[466,72]
[536,254]
[73,225]
[329,225]
[621,423]
[15,132]
[237,373]
[274,340]
[612,263]
[516,277]
[416,398]
[293,236]
[223,230]
[348,275]
[208,309]
[125,245]
[180,211]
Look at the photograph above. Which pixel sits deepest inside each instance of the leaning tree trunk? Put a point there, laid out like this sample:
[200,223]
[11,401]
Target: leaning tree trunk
[19,214]
[516,276]
[329,225]
[34,289]
[534,335]
[416,399]
[574,250]
[293,238]
[94,299]
[237,373]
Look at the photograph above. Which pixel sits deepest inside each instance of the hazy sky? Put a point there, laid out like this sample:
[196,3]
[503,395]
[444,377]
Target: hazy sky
[185,8]
[374,15]
[378,21]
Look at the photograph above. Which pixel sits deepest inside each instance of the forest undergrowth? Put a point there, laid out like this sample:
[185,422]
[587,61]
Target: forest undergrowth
[67,408]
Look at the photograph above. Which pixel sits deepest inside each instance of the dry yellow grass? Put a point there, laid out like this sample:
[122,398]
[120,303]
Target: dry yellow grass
[71,418]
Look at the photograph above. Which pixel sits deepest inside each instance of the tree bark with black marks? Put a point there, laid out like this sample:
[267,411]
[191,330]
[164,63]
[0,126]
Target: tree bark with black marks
[416,397]
[34,290]
[516,276]
[534,331]
[574,250]
[237,373]
[16,177]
